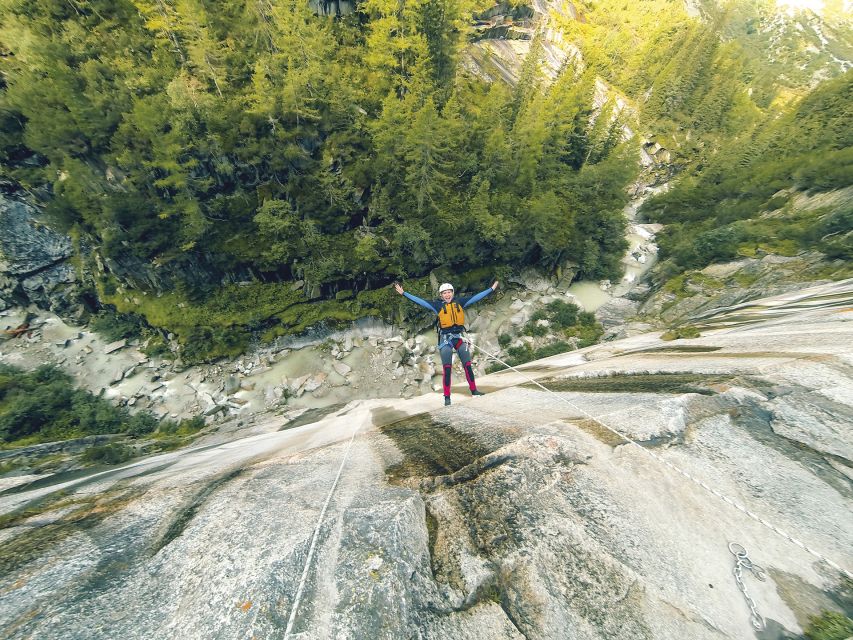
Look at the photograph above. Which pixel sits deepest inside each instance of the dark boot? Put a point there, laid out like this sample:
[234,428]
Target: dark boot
[477,392]
[446,401]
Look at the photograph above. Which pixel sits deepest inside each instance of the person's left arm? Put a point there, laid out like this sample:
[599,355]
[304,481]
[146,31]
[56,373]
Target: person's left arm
[479,296]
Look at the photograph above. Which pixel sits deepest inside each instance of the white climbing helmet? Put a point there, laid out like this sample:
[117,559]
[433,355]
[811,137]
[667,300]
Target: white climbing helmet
[445,287]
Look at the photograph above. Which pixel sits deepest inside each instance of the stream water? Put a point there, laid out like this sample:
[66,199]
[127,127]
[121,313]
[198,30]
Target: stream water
[639,258]
[588,295]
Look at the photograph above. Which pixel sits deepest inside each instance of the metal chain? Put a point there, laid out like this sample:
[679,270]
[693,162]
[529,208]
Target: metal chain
[742,562]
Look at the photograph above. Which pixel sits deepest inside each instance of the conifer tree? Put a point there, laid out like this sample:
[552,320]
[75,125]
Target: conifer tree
[424,153]
[396,49]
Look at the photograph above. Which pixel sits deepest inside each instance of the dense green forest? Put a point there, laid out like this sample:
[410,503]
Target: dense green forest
[734,98]
[742,201]
[262,140]
[236,169]
[45,403]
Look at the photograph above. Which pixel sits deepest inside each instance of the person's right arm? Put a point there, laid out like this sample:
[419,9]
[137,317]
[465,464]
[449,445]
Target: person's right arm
[414,298]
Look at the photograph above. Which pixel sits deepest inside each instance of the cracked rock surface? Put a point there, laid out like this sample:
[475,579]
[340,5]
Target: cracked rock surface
[520,514]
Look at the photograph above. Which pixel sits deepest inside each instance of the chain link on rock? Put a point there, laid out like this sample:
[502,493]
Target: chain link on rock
[742,562]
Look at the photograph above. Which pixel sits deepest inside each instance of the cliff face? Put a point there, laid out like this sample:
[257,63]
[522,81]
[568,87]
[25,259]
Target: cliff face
[40,266]
[34,266]
[807,42]
[519,514]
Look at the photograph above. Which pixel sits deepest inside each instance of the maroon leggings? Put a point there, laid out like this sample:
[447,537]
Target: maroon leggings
[447,357]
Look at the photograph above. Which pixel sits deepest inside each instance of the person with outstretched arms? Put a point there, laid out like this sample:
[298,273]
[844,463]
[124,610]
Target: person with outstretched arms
[450,313]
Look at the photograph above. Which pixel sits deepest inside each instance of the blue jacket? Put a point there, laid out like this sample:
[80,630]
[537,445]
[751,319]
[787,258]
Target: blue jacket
[435,305]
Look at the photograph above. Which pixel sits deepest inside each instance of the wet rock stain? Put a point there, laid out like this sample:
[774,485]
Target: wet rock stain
[663,382]
[311,416]
[185,515]
[430,448]
[685,348]
[469,487]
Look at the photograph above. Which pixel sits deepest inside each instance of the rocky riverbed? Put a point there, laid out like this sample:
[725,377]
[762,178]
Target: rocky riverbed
[321,369]
[515,515]
[293,379]
[368,360]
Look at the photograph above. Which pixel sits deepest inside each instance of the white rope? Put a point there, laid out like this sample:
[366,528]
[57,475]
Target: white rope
[302,581]
[678,470]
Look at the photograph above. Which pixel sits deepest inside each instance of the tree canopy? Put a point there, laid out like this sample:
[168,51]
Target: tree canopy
[201,143]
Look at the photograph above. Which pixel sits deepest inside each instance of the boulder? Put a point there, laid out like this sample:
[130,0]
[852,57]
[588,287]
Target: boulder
[314,382]
[531,280]
[639,292]
[616,312]
[341,368]
[400,354]
[115,346]
[520,319]
[232,385]
[322,391]
[297,384]
[219,408]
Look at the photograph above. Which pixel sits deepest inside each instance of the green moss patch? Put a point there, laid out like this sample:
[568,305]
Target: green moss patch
[830,625]
[671,383]
[183,518]
[223,322]
[43,405]
[678,333]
